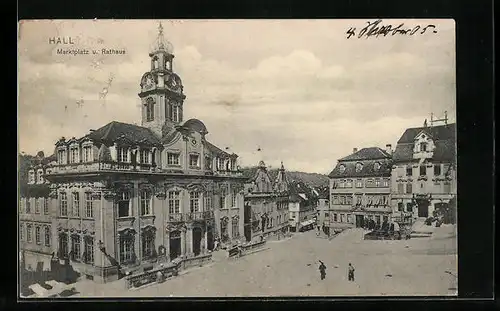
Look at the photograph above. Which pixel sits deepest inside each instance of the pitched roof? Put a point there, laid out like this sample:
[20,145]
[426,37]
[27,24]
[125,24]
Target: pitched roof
[444,141]
[367,154]
[440,132]
[368,169]
[216,150]
[115,130]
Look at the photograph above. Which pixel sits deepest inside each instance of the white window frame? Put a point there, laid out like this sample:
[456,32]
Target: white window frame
[124,196]
[63,204]
[122,154]
[191,156]
[89,211]
[73,154]
[144,156]
[174,202]
[29,233]
[173,156]
[37,205]
[38,235]
[87,155]
[194,201]
[62,157]
[47,236]
[145,197]
[75,204]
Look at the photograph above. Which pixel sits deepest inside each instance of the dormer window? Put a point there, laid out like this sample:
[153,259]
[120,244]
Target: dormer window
[40,177]
[122,154]
[31,177]
[144,156]
[73,154]
[359,167]
[194,160]
[87,154]
[61,156]
[342,168]
[423,147]
[376,166]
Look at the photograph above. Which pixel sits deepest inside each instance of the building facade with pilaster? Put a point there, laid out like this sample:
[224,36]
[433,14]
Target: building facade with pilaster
[127,197]
[266,204]
[360,189]
[424,172]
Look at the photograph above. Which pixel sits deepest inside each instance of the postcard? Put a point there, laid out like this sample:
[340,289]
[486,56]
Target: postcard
[237,158]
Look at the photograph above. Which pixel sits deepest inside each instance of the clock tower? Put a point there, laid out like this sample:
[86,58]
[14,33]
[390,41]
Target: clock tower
[161,95]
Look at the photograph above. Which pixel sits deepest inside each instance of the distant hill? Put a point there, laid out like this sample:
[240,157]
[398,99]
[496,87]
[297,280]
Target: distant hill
[311,179]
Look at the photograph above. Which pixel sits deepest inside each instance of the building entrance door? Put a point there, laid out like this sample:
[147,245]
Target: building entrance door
[248,232]
[423,208]
[175,244]
[210,238]
[197,241]
[359,221]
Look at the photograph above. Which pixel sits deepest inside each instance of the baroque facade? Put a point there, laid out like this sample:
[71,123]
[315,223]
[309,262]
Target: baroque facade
[126,197]
[35,211]
[266,204]
[424,171]
[360,188]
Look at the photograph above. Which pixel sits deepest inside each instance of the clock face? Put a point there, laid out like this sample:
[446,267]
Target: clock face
[148,82]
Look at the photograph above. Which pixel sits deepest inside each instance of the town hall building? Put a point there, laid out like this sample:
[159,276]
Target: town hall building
[123,196]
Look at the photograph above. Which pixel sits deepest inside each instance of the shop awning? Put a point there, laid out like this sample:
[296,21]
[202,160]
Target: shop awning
[307,222]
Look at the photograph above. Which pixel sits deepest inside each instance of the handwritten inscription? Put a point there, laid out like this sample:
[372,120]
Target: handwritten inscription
[377,29]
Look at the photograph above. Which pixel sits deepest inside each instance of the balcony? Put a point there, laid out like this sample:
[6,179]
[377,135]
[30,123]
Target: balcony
[200,215]
[177,217]
[234,173]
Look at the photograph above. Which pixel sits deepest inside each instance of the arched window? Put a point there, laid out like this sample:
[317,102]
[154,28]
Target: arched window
[63,245]
[38,235]
[88,254]
[150,112]
[148,244]
[224,229]
[63,204]
[235,227]
[47,236]
[75,247]
[29,233]
[127,254]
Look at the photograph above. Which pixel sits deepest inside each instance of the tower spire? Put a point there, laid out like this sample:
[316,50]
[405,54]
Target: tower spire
[161,44]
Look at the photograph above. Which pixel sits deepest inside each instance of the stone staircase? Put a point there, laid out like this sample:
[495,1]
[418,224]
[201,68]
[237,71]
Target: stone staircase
[421,230]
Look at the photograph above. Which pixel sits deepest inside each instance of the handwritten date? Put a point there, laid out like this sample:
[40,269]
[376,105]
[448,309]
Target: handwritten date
[375,29]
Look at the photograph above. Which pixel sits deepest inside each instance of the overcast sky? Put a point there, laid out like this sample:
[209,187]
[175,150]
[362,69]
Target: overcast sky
[298,89]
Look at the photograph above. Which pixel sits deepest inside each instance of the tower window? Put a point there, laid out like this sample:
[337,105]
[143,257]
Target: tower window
[175,114]
[168,65]
[150,112]
[423,147]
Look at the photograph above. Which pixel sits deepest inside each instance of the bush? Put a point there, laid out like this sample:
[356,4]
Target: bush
[429,221]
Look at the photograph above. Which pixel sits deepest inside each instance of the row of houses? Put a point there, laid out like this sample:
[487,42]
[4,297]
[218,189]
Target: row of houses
[416,180]
[124,197]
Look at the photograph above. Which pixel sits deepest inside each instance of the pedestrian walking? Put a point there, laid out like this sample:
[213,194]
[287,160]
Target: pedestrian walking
[322,270]
[350,273]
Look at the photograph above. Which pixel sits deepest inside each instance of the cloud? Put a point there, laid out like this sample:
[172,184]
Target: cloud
[301,92]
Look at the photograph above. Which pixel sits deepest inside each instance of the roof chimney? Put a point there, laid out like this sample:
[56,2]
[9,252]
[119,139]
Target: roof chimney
[388,149]
[354,150]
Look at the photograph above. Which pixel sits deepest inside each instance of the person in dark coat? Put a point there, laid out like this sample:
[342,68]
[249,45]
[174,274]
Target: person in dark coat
[350,273]
[322,270]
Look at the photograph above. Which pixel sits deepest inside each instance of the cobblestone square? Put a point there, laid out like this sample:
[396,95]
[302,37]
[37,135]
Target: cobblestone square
[425,266]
